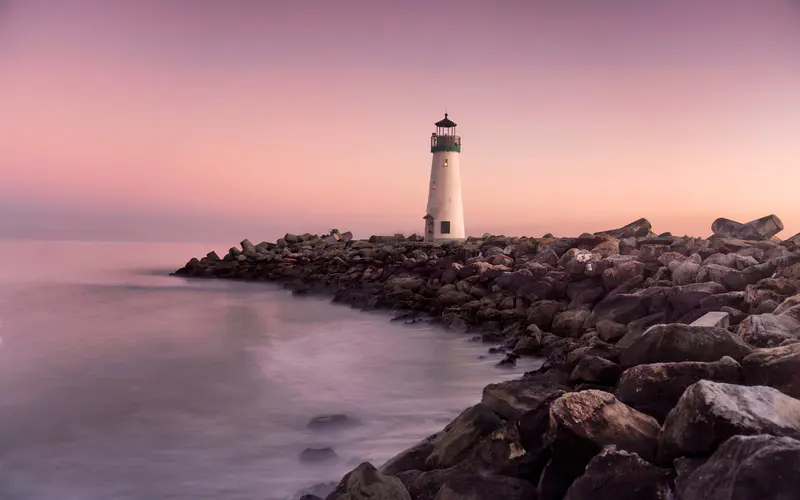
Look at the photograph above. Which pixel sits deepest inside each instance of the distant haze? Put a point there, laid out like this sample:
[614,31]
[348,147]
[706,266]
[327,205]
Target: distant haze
[218,120]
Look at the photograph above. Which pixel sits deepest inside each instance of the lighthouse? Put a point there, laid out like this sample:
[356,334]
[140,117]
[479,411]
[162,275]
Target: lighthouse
[444,218]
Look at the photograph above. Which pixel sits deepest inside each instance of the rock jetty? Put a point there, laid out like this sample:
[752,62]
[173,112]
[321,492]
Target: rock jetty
[672,363]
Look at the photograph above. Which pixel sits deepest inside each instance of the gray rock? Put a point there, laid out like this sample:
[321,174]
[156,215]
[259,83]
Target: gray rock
[318,455]
[570,323]
[725,227]
[655,388]
[366,483]
[619,475]
[595,370]
[475,487]
[637,228]
[760,229]
[677,342]
[457,439]
[769,330]
[334,421]
[777,367]
[709,413]
[610,331]
[414,458]
[747,468]
[512,398]
[543,312]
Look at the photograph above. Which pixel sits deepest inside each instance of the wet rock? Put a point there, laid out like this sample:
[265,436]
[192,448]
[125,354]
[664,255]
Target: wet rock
[709,413]
[414,458]
[366,483]
[677,342]
[747,467]
[595,370]
[318,455]
[512,398]
[335,421]
[455,442]
[583,423]
[655,388]
[769,330]
[501,453]
[620,475]
[777,367]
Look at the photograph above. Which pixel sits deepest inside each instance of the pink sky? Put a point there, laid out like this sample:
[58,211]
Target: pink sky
[303,115]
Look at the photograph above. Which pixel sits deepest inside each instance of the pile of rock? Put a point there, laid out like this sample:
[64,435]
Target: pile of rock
[641,396]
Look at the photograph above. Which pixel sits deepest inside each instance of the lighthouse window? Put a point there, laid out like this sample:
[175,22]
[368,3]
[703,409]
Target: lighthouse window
[445,227]
[445,162]
[433,185]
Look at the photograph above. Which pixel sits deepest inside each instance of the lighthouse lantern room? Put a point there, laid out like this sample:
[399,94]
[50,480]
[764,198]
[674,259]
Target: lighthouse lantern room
[444,218]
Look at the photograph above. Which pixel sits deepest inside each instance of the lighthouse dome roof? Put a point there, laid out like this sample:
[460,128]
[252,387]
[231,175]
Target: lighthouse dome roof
[446,123]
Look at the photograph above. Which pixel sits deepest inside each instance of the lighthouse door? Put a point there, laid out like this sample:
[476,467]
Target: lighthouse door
[429,229]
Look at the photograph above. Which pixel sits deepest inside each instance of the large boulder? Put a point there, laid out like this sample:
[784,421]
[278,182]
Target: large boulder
[610,331]
[769,330]
[655,388]
[475,487]
[366,483]
[747,468]
[583,423]
[760,229]
[512,398]
[595,370]
[778,367]
[676,342]
[789,307]
[683,299]
[725,228]
[621,308]
[619,475]
[570,323]
[709,413]
[543,312]
[455,442]
[638,228]
[413,458]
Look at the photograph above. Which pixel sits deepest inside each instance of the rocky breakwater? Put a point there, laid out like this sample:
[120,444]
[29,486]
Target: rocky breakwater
[643,394]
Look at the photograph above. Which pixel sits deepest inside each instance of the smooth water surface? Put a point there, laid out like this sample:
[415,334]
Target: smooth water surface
[118,381]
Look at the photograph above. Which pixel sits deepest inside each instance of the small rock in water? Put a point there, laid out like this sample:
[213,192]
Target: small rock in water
[509,361]
[318,455]
[337,420]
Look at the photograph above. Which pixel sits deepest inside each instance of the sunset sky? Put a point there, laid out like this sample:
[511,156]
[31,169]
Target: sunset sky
[208,120]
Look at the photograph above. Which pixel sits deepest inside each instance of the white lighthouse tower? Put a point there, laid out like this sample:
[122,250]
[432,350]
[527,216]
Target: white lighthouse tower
[444,219]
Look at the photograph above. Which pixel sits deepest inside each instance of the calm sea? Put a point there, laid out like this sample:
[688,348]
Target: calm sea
[118,381]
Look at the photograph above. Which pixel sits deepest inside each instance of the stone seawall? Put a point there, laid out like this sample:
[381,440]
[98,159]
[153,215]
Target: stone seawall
[643,394]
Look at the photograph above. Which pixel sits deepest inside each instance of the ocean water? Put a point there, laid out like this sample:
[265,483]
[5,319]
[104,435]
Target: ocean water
[118,381]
